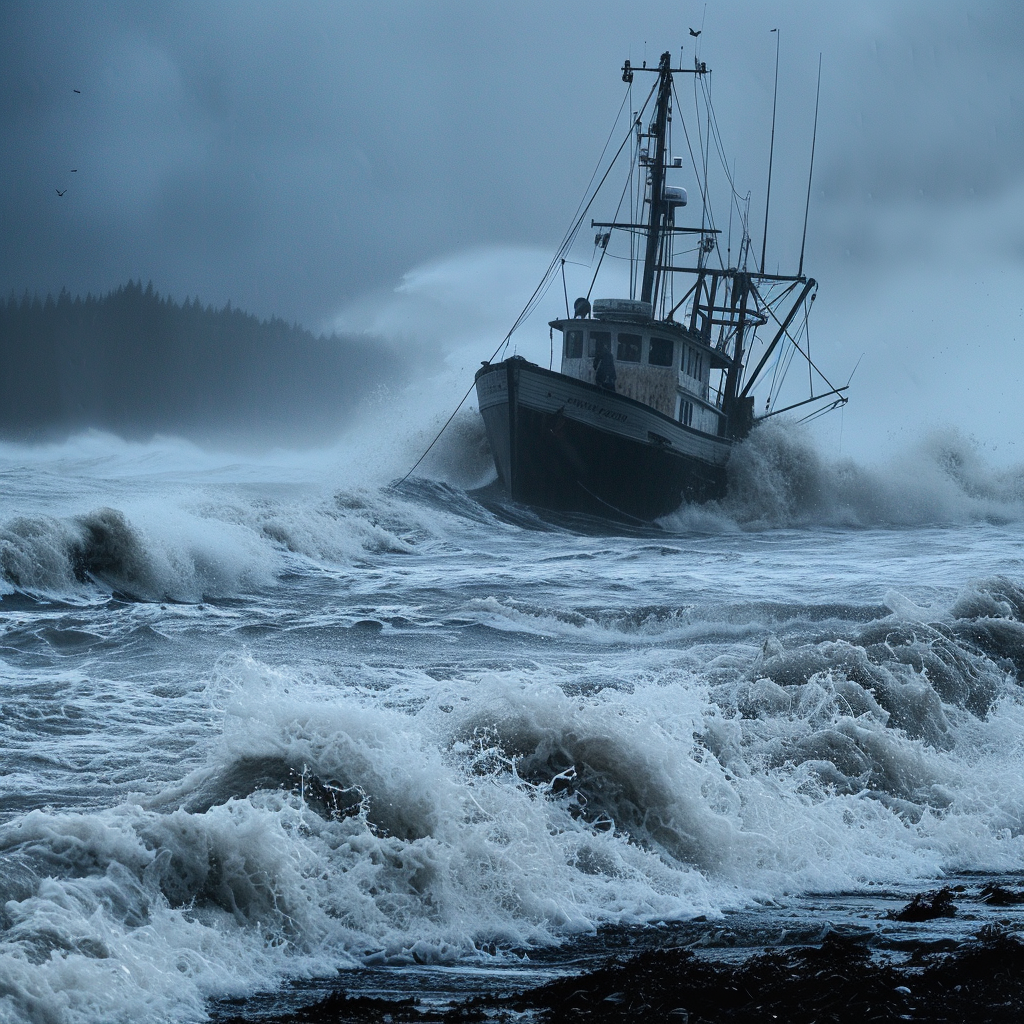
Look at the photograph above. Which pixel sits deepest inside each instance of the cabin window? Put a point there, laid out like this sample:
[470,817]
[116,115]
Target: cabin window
[596,339]
[686,413]
[573,344]
[694,364]
[629,348]
[661,352]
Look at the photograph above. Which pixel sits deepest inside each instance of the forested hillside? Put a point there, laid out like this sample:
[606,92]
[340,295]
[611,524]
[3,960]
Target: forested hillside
[137,363]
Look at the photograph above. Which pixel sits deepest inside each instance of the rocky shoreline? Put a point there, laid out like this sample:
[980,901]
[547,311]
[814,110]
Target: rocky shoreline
[840,980]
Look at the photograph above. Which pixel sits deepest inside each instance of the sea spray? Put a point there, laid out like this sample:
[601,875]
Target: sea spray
[284,720]
[779,477]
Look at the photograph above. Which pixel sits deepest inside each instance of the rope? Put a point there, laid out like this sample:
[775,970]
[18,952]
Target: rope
[608,504]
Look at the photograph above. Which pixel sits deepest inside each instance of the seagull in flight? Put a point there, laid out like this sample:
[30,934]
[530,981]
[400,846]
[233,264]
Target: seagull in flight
[58,191]
[697,33]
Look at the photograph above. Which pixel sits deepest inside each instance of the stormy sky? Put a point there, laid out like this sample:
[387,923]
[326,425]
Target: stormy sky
[410,167]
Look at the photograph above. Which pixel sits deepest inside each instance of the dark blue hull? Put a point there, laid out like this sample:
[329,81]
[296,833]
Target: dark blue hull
[560,443]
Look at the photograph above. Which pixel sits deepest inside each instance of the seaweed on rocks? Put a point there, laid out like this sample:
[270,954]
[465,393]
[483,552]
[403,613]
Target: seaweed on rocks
[340,1008]
[926,906]
[839,981]
[836,981]
[997,896]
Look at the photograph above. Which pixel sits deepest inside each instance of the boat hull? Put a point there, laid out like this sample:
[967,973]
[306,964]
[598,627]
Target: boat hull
[564,444]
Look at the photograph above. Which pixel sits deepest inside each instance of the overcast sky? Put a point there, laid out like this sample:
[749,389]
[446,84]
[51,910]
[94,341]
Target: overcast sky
[307,159]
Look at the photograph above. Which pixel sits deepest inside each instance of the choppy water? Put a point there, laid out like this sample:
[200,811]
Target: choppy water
[265,719]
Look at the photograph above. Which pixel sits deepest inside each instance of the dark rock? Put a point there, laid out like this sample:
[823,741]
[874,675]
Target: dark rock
[926,906]
[997,896]
[838,982]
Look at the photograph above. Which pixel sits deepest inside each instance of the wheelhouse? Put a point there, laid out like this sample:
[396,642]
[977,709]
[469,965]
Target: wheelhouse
[659,363]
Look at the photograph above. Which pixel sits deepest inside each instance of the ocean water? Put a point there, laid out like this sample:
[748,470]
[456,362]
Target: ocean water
[266,719]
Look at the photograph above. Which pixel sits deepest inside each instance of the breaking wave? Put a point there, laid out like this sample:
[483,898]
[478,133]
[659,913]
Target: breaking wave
[223,540]
[368,817]
[779,477]
[68,557]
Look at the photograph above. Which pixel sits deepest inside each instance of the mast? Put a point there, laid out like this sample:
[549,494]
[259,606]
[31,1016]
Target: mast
[728,297]
[655,224]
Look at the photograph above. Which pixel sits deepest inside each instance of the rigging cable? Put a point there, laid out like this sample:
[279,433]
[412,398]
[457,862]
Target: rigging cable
[806,356]
[545,281]
[689,147]
[604,247]
[705,213]
[807,332]
[604,149]
[696,170]
[567,241]
[730,177]
[783,363]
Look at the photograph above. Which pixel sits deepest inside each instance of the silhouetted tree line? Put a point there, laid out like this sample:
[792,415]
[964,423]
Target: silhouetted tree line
[135,363]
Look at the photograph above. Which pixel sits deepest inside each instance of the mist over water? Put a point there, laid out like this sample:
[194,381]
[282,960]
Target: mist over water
[266,717]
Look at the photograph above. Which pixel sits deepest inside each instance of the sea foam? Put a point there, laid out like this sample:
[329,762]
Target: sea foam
[400,727]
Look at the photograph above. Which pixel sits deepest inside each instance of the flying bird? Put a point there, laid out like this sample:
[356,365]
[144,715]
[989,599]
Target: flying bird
[79,91]
[697,33]
[74,170]
[58,191]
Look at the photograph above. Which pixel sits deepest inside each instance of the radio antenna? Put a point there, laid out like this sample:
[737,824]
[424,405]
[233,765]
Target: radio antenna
[810,173]
[771,151]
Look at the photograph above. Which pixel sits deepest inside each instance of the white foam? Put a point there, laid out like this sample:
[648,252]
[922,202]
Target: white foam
[723,788]
[780,477]
[856,747]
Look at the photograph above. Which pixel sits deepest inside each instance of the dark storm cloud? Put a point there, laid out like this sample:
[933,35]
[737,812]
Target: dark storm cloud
[935,119]
[290,157]
[281,156]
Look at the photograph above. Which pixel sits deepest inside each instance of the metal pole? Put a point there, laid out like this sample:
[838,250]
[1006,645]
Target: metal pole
[778,337]
[657,194]
[810,173]
[771,151]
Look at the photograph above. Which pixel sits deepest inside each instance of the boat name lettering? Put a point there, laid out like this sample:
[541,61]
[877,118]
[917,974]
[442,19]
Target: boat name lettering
[600,410]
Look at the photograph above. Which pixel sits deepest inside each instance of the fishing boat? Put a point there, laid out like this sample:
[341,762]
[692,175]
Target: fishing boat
[653,394]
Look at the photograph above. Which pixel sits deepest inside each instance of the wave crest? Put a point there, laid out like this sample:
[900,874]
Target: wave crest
[779,477]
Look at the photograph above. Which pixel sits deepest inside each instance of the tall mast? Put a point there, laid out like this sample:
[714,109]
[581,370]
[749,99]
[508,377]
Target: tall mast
[659,207]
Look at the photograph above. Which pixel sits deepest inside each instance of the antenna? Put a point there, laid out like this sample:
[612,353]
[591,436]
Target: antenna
[771,151]
[810,173]
[732,203]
